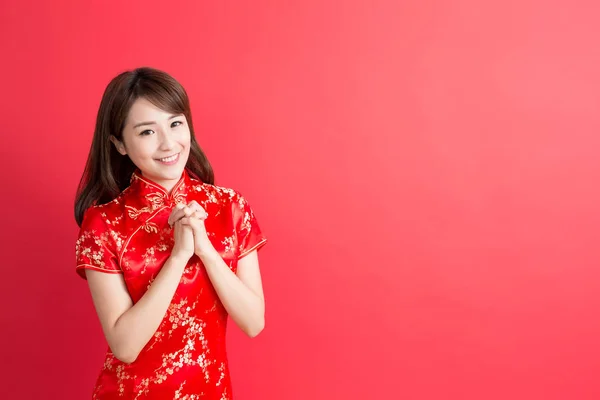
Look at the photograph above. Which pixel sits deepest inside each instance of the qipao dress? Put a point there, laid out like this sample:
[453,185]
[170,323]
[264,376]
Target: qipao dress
[186,357]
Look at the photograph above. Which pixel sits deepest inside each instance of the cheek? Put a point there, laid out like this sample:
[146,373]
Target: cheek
[185,138]
[142,149]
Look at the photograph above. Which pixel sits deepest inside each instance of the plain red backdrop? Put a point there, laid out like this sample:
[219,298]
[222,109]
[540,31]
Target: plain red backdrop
[426,171]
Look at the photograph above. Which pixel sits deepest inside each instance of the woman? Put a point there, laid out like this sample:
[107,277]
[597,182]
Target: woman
[167,254]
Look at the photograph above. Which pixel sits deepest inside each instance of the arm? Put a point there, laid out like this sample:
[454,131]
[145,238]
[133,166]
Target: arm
[241,294]
[127,327]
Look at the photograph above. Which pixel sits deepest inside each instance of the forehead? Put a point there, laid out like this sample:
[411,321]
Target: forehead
[142,110]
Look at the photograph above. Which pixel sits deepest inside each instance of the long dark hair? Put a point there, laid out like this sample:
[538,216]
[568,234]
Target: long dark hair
[107,173]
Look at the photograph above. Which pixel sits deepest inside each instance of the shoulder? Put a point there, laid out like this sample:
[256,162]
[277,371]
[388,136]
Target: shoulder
[216,194]
[104,215]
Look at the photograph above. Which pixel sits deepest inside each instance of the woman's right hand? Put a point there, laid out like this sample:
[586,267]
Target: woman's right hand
[184,240]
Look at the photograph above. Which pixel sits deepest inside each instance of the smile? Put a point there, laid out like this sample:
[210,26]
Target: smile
[170,159]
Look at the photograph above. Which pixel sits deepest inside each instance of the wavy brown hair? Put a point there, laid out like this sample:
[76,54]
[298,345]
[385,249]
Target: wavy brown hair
[107,173]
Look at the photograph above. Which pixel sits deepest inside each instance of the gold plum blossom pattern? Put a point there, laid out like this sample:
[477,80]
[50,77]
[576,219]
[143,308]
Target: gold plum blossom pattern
[186,358]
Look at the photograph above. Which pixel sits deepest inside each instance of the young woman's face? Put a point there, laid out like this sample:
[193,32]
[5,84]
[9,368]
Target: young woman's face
[156,141]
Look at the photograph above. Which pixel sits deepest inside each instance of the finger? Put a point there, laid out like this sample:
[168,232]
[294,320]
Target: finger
[183,221]
[179,222]
[196,226]
[176,228]
[198,211]
[178,206]
[201,215]
[195,206]
[182,212]
[174,216]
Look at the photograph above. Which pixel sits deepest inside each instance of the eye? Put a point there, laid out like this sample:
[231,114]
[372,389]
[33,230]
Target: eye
[146,132]
[176,123]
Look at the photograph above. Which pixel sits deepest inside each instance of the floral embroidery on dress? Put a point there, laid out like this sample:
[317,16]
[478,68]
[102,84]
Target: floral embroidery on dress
[186,357]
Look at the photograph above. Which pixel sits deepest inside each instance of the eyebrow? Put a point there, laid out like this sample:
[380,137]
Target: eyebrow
[154,122]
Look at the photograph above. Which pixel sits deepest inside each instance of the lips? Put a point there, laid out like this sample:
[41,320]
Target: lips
[169,160]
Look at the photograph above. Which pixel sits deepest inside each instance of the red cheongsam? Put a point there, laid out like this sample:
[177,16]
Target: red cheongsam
[186,357]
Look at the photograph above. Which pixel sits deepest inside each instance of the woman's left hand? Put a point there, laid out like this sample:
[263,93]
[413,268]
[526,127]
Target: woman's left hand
[196,217]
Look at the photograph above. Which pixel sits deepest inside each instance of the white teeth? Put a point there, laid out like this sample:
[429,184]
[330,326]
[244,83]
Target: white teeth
[168,159]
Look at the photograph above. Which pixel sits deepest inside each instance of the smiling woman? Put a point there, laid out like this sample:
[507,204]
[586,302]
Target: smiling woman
[153,145]
[168,255]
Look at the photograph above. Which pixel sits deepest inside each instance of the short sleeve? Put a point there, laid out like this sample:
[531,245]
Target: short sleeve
[248,233]
[94,247]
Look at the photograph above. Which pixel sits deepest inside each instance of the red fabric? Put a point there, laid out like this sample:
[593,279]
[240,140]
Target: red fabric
[186,358]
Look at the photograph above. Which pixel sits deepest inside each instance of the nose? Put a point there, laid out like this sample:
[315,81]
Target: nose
[166,141]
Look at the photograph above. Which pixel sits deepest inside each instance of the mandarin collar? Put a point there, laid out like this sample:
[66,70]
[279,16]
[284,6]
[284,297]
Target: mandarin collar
[154,195]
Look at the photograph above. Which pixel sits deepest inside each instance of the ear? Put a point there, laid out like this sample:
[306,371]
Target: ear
[118,145]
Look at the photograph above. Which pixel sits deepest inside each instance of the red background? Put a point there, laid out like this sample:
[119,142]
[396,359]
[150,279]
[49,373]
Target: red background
[426,171]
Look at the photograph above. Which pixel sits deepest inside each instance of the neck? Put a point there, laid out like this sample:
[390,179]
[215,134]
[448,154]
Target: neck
[166,185]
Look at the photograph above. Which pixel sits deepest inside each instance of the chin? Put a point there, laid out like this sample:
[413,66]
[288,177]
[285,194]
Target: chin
[171,174]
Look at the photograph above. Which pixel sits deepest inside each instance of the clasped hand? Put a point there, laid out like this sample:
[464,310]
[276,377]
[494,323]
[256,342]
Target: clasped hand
[189,231]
